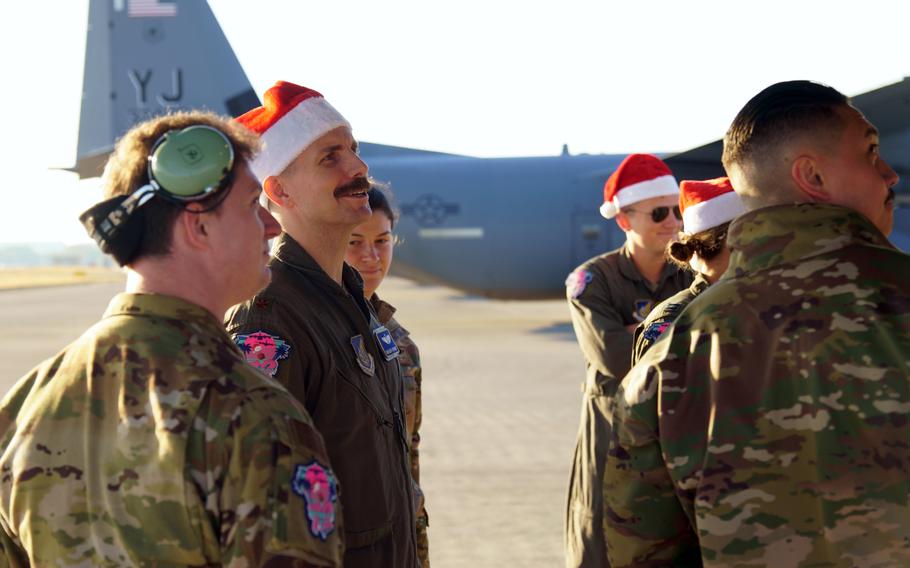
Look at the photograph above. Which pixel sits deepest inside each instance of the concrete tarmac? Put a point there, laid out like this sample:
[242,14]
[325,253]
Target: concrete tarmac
[501,402]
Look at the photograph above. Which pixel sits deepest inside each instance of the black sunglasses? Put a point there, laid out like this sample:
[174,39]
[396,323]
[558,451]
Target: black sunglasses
[658,214]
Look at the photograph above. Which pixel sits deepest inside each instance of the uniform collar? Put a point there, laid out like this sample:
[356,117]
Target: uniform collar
[767,237]
[161,306]
[384,310]
[699,284]
[628,269]
[289,251]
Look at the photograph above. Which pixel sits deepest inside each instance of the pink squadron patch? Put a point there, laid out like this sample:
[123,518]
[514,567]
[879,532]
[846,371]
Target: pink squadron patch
[577,282]
[263,351]
[319,488]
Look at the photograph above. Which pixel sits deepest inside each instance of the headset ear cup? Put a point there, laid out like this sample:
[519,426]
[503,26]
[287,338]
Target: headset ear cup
[191,164]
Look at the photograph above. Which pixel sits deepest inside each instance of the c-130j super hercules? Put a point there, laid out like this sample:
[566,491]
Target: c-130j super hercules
[499,227]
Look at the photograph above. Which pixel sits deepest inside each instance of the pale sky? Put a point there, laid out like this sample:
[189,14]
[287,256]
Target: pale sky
[484,78]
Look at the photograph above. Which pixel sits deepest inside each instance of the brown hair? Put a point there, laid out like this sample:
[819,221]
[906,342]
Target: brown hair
[127,171]
[707,244]
[380,197]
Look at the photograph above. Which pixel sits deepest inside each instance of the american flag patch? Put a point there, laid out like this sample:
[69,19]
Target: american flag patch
[151,9]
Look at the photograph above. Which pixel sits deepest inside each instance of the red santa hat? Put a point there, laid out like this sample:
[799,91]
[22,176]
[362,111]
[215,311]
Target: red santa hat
[290,119]
[707,204]
[638,177]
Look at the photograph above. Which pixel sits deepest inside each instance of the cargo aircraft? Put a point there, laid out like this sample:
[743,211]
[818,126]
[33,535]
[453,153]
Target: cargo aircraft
[499,227]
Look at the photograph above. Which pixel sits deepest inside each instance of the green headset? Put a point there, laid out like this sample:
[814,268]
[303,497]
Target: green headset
[184,166]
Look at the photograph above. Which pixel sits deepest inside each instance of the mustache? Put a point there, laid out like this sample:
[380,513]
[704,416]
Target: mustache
[354,186]
[890,197]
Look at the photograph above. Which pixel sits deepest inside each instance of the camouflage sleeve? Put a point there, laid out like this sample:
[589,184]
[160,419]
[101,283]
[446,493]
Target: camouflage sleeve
[604,339]
[279,347]
[644,522]
[276,499]
[12,555]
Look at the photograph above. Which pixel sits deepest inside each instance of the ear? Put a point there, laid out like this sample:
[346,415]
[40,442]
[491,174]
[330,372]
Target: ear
[191,228]
[623,221]
[806,173]
[276,191]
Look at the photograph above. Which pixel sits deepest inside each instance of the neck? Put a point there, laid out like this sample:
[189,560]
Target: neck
[172,278]
[649,263]
[326,244]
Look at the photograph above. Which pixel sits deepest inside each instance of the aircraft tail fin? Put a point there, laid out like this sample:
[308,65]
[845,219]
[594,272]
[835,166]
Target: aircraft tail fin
[144,58]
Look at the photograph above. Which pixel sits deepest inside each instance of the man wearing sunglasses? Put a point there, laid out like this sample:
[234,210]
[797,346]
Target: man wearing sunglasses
[609,295]
[149,441]
[312,329]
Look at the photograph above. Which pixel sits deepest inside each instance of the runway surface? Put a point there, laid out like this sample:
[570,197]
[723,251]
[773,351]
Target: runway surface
[501,402]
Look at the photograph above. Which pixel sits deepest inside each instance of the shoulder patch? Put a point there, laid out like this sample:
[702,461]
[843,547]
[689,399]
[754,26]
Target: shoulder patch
[317,485]
[577,281]
[656,329]
[362,356]
[642,309]
[263,350]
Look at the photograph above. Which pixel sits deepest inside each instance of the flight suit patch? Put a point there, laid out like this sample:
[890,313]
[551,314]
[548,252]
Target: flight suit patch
[656,329]
[642,309]
[577,281]
[319,488]
[364,359]
[263,350]
[386,343]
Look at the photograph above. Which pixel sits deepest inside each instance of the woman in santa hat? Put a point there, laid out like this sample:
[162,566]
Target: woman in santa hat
[370,252]
[707,207]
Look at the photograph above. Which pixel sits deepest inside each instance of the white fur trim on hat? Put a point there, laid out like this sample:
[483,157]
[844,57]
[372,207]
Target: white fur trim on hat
[293,133]
[657,187]
[709,214]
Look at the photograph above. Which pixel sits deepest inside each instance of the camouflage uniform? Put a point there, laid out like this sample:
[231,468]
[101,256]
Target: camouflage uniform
[770,428]
[663,315]
[606,294]
[149,442]
[413,411]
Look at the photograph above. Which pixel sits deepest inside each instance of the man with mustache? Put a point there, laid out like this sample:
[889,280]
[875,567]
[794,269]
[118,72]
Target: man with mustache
[769,427]
[312,329]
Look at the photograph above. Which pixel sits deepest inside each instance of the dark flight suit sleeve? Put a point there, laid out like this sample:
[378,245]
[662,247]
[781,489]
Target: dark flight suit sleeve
[604,339]
[649,331]
[279,345]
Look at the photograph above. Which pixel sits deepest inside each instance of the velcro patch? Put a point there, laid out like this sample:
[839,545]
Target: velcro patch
[642,309]
[263,350]
[317,485]
[576,283]
[363,357]
[656,329]
[386,343]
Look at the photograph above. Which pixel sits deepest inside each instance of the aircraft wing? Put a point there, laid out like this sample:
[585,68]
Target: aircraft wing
[370,151]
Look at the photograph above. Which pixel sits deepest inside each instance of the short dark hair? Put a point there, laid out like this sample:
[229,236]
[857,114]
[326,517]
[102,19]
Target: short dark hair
[707,244]
[778,113]
[380,197]
[126,171]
